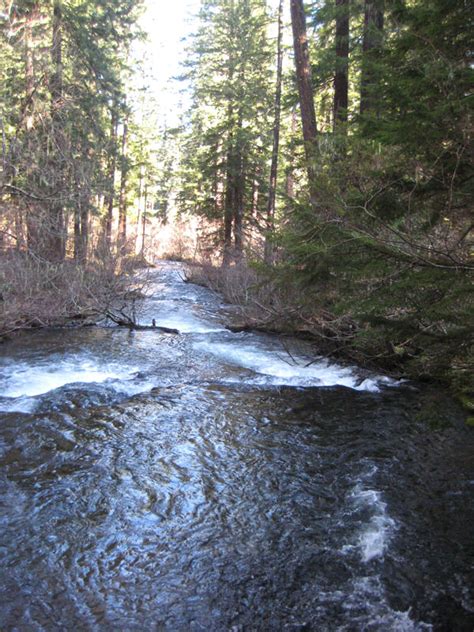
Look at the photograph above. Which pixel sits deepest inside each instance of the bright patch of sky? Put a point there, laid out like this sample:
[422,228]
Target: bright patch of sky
[166,23]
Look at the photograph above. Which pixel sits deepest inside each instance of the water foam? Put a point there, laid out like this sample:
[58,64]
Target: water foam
[279,368]
[370,592]
[375,537]
[175,317]
[32,379]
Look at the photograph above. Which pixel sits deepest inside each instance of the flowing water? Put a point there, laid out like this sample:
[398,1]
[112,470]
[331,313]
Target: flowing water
[224,482]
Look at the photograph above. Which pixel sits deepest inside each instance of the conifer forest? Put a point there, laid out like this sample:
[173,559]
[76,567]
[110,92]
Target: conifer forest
[297,215]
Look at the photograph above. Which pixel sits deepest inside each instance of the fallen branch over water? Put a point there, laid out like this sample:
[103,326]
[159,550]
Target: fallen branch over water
[129,324]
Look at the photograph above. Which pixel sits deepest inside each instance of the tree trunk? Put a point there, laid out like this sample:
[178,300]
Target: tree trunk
[239,182]
[219,184]
[110,195]
[32,219]
[289,180]
[122,229]
[84,228]
[229,185]
[228,208]
[140,208]
[341,81]
[305,89]
[81,226]
[29,106]
[142,252]
[268,250]
[372,42]
[56,238]
[77,233]
[256,192]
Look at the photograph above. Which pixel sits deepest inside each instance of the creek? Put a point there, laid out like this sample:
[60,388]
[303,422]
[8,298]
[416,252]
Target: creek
[219,481]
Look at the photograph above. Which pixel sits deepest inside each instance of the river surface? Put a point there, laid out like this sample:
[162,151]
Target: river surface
[228,482]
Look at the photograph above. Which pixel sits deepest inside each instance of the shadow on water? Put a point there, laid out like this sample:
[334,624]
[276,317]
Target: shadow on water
[159,487]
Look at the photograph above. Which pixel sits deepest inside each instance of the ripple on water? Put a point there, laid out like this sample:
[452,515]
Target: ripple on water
[243,504]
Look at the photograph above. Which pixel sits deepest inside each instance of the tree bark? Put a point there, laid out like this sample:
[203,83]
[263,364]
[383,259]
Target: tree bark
[268,249]
[228,208]
[144,219]
[289,180]
[305,90]
[56,238]
[32,219]
[140,210]
[239,183]
[239,186]
[341,75]
[110,195]
[29,107]
[122,228]
[85,228]
[229,184]
[372,42]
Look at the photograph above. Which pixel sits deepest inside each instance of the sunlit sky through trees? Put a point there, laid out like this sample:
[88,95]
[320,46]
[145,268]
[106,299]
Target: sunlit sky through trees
[167,25]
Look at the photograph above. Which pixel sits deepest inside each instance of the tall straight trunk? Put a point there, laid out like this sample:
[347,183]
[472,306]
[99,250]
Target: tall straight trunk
[240,176]
[305,90]
[372,42]
[81,224]
[229,207]
[144,219]
[229,194]
[256,192]
[219,185]
[239,188]
[289,180]
[110,195]
[341,75]
[84,228]
[219,190]
[229,185]
[19,244]
[56,238]
[122,228]
[29,107]
[268,250]
[140,210]
[77,232]
[32,219]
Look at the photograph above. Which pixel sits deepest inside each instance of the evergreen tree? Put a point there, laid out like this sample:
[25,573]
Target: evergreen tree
[227,144]
[67,60]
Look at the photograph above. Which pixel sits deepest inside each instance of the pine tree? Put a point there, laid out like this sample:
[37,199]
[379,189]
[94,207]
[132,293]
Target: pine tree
[305,90]
[268,253]
[227,146]
[70,62]
[341,75]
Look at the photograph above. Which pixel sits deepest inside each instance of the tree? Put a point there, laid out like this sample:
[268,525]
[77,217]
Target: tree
[341,75]
[371,48]
[55,247]
[226,147]
[124,169]
[67,60]
[109,198]
[305,89]
[268,254]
